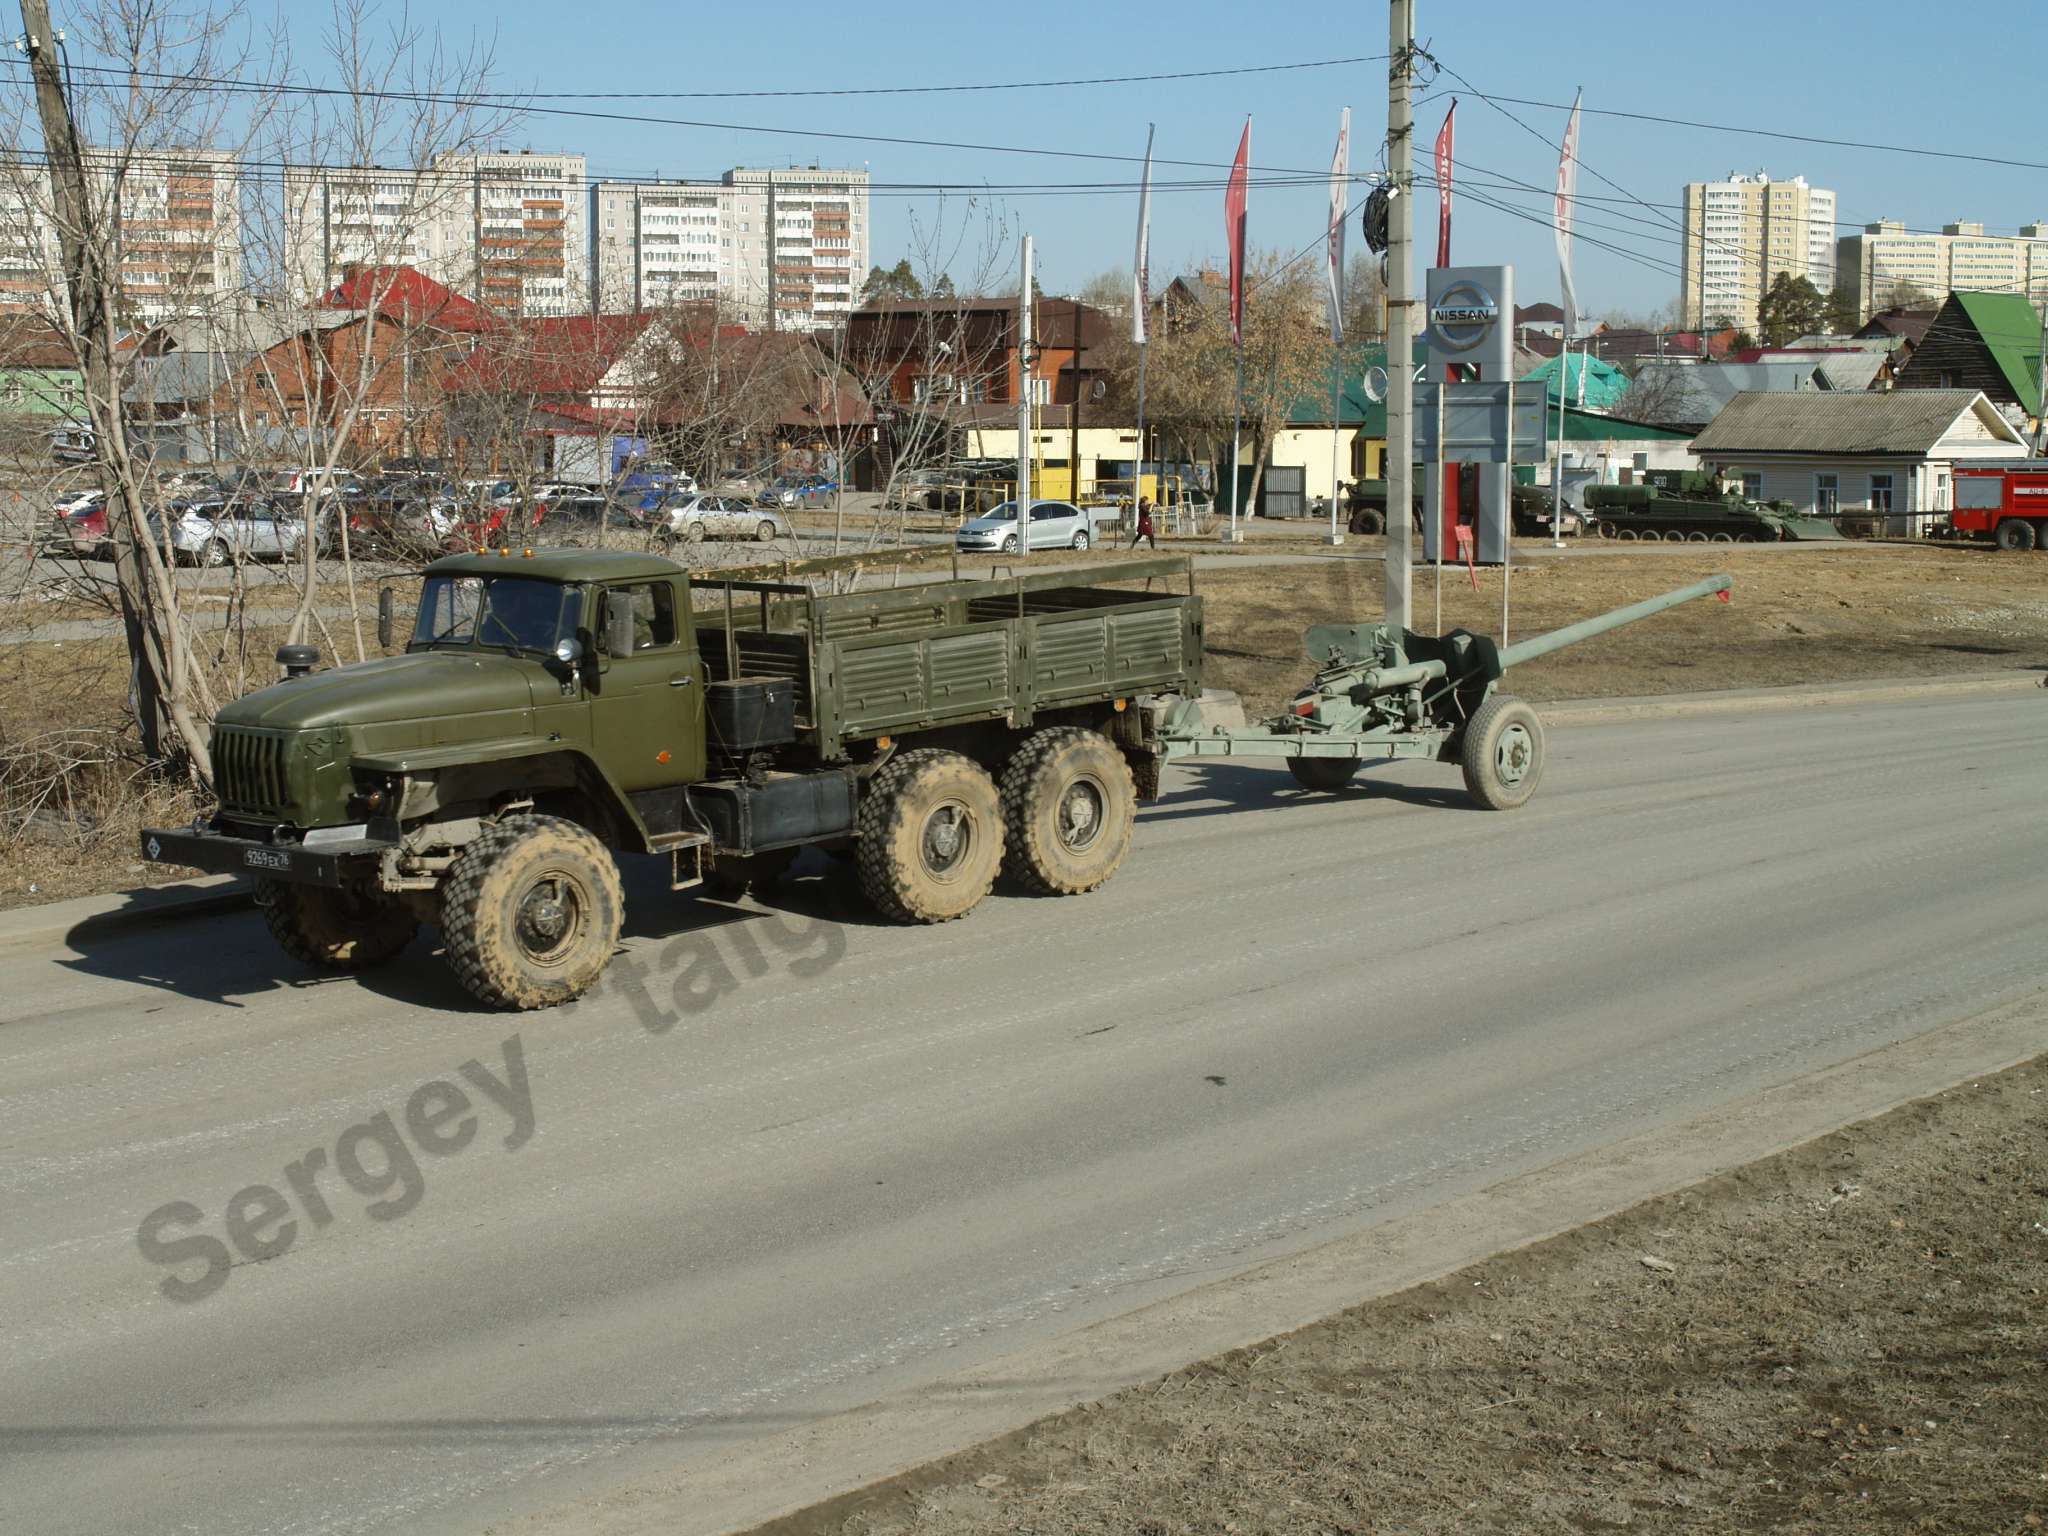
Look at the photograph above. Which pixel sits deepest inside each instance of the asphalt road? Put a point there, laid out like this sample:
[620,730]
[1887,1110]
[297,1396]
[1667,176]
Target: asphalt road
[806,1162]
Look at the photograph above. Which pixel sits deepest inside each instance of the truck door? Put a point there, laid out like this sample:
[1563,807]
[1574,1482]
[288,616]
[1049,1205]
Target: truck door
[647,705]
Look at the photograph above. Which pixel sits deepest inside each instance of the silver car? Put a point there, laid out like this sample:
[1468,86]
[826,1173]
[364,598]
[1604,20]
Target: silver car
[218,533]
[1054,525]
[700,516]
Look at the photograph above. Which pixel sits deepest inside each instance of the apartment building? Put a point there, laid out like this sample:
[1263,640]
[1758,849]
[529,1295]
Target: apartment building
[177,223]
[780,248]
[1962,258]
[1740,233]
[506,229]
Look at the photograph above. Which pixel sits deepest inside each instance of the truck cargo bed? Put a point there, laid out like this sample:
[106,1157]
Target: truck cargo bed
[868,664]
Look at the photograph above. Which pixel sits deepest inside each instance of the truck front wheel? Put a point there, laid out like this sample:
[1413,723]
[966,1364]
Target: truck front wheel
[930,831]
[531,912]
[2015,535]
[1069,802]
[1368,520]
[334,930]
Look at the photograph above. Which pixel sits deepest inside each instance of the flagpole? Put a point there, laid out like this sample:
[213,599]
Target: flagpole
[1141,322]
[1236,424]
[1557,473]
[1336,433]
[1340,196]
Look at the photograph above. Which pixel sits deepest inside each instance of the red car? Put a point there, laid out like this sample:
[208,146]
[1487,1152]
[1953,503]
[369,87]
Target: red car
[82,525]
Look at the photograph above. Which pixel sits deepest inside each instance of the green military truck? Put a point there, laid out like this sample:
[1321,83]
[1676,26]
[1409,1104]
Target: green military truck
[556,708]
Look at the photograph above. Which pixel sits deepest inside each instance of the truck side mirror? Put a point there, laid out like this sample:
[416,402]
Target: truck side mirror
[384,616]
[618,623]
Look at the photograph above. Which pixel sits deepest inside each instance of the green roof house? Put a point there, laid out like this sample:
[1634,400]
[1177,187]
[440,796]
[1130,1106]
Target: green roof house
[1982,341]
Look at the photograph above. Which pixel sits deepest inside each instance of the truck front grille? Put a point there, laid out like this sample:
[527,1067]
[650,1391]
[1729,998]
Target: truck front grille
[248,770]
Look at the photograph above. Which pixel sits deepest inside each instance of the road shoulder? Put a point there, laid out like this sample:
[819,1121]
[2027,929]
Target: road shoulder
[790,1472]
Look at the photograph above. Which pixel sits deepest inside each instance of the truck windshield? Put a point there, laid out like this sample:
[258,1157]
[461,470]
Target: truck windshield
[494,611]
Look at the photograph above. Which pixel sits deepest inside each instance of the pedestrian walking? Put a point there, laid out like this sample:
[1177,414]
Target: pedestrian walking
[1144,524]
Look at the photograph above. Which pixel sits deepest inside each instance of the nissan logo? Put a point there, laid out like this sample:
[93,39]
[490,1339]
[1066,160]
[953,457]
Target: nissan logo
[1463,315]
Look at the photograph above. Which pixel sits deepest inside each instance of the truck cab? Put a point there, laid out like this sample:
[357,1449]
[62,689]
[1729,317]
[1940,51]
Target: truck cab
[2003,500]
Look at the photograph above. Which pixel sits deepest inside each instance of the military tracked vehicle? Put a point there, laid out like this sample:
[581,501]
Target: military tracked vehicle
[1687,506]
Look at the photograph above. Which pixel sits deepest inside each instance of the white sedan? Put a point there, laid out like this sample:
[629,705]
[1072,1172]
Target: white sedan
[1054,525]
[699,516]
[221,533]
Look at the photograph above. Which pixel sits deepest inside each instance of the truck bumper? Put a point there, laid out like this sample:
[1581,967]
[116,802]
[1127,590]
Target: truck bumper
[331,864]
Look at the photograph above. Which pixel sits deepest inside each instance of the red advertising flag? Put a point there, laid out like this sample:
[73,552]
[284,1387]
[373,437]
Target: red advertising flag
[1235,197]
[1443,188]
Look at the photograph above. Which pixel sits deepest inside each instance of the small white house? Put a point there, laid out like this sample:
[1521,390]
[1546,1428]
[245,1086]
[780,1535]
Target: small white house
[1887,456]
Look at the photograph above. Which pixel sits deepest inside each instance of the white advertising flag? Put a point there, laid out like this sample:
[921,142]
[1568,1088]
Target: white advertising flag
[1340,200]
[1567,205]
[1141,287]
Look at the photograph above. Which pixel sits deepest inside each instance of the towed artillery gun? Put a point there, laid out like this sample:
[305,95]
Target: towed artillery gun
[1431,696]
[555,710]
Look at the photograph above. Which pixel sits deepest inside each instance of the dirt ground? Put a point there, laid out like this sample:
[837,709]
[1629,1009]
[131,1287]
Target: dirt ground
[1849,1337]
[71,798]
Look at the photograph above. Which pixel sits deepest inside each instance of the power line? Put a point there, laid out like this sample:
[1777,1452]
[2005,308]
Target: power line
[1769,133]
[197,84]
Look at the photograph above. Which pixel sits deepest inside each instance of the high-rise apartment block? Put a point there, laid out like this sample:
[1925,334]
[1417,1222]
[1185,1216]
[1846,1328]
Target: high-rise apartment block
[506,229]
[779,248]
[1886,258]
[1740,234]
[177,228]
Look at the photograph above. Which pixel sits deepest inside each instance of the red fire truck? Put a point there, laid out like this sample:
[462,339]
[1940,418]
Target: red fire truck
[2005,500]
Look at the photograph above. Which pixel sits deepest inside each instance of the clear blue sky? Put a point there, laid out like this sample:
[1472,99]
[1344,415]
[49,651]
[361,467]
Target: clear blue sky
[1838,70]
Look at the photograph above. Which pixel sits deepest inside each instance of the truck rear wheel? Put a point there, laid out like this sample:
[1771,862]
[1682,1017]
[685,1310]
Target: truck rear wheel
[334,930]
[1324,773]
[1502,753]
[1367,520]
[531,912]
[1069,802]
[2015,535]
[930,829]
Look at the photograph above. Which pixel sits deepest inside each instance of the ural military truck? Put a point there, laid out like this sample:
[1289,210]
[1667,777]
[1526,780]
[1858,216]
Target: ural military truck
[555,707]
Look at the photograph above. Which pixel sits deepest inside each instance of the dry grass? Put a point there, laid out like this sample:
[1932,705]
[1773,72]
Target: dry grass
[1850,1338]
[1796,617]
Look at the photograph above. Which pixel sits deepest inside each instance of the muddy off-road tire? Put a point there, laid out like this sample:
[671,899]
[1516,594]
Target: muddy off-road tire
[531,912]
[2015,537]
[1326,773]
[1069,802]
[1501,753]
[930,837]
[345,930]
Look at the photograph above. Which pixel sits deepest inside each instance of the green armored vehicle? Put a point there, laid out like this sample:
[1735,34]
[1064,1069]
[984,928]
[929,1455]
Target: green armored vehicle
[1689,506]
[558,707]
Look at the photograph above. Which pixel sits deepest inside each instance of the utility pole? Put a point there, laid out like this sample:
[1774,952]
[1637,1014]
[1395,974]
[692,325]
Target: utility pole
[89,291]
[1400,313]
[2041,422]
[1074,418]
[1022,499]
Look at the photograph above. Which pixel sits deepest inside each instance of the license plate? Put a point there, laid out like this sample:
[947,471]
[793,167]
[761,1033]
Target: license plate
[264,858]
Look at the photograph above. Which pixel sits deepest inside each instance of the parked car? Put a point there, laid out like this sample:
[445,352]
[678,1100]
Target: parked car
[790,490]
[300,482]
[720,517]
[74,445]
[1054,525]
[82,525]
[215,533]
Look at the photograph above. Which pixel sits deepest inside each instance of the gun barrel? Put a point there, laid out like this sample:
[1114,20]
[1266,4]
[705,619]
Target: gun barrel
[1585,629]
